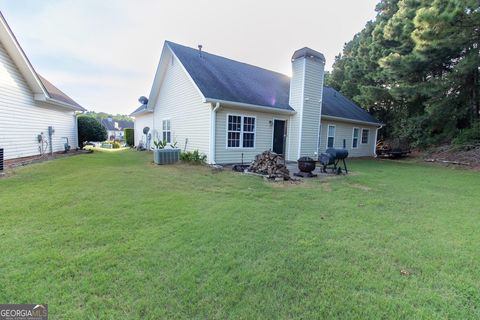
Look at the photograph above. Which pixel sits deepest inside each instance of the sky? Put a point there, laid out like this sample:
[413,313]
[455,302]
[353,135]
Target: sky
[104,54]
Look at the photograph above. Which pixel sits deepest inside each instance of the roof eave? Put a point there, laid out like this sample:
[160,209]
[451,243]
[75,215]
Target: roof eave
[140,112]
[252,107]
[376,124]
[57,103]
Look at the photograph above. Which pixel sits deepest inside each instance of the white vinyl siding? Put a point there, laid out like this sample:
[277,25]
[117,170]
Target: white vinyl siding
[296,99]
[22,118]
[355,137]
[180,101]
[263,135]
[312,107]
[141,121]
[343,131]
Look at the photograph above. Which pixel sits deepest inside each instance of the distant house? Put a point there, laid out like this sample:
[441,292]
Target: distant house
[231,110]
[115,128]
[35,116]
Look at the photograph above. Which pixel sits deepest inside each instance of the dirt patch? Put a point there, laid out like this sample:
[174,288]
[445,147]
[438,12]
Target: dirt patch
[360,187]
[458,156]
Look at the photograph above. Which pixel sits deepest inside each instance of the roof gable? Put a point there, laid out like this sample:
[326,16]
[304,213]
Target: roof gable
[220,78]
[41,88]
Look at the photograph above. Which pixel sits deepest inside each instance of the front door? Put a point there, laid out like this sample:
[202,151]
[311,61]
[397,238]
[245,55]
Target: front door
[279,136]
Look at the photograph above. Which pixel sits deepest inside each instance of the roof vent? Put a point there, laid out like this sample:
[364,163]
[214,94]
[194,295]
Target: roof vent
[200,49]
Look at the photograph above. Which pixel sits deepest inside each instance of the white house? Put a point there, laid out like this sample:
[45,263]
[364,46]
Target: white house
[30,105]
[229,110]
[115,128]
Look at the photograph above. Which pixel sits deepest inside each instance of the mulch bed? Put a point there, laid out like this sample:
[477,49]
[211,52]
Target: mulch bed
[20,162]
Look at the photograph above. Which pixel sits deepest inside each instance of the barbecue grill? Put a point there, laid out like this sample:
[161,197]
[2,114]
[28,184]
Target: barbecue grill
[331,160]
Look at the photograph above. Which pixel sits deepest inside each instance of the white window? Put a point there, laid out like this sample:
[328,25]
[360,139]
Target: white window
[330,136]
[166,131]
[240,132]
[365,134]
[355,136]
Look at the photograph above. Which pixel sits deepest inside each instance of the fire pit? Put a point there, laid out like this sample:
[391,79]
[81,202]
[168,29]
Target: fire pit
[306,165]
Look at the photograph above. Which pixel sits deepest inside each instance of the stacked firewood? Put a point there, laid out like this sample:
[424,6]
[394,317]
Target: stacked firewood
[271,165]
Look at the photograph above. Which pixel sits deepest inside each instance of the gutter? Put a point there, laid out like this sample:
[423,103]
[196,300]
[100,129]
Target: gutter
[252,107]
[42,98]
[375,124]
[213,117]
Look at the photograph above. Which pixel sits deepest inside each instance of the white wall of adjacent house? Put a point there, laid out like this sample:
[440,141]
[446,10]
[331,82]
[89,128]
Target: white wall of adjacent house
[352,134]
[263,135]
[22,118]
[180,107]
[141,121]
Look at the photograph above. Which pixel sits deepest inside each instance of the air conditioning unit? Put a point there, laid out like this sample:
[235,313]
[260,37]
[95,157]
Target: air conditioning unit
[1,160]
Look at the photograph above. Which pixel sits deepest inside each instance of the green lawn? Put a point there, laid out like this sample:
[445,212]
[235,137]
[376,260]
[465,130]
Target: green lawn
[111,236]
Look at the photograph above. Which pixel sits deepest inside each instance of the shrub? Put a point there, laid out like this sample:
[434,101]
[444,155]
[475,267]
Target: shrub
[468,136]
[115,144]
[89,129]
[129,136]
[194,157]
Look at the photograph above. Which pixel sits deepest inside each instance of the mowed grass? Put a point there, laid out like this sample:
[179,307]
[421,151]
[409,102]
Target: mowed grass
[111,236]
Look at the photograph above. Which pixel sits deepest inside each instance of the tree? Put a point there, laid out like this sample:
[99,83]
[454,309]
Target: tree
[89,129]
[416,67]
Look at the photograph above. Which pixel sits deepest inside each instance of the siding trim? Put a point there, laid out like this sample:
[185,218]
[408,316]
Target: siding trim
[352,121]
[302,103]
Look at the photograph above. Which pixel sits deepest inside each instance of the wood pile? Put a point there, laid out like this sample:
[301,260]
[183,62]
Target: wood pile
[271,165]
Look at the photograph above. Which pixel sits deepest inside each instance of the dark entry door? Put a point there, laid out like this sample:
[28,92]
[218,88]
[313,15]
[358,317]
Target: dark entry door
[279,136]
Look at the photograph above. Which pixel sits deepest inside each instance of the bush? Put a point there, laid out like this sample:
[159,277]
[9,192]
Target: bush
[194,157]
[129,136]
[468,136]
[115,144]
[89,129]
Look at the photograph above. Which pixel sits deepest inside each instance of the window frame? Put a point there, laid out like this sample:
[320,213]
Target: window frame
[242,131]
[368,136]
[353,137]
[168,130]
[328,135]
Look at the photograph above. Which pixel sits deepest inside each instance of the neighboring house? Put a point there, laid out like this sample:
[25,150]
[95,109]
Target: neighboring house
[229,110]
[143,118]
[115,128]
[29,105]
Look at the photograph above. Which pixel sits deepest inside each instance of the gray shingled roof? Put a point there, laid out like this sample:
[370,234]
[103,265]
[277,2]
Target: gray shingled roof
[58,95]
[335,104]
[224,79]
[143,107]
[219,78]
[122,124]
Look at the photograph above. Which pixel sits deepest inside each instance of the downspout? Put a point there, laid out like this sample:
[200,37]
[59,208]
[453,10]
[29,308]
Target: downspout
[213,117]
[375,141]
